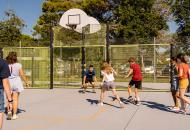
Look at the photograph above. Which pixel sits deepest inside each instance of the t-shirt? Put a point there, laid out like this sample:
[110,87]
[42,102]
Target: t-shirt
[14,69]
[137,76]
[90,75]
[4,71]
[185,69]
[175,70]
[108,77]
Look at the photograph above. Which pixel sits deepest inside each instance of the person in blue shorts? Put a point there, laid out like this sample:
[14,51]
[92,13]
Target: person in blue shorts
[175,84]
[4,87]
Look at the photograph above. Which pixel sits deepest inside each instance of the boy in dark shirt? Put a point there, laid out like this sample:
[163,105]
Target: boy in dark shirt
[89,79]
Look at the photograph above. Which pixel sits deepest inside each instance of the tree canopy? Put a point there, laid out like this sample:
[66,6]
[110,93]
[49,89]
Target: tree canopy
[134,19]
[181,13]
[11,29]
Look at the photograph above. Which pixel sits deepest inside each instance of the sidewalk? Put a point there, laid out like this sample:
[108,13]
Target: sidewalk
[67,109]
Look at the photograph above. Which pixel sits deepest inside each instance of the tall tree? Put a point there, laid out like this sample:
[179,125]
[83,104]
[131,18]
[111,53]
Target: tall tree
[11,29]
[51,12]
[135,19]
[138,19]
[181,12]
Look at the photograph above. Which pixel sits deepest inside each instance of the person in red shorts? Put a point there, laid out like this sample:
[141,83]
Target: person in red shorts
[136,80]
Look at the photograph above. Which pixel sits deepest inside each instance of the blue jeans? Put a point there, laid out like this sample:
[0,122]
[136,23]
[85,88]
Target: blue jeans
[175,84]
[2,108]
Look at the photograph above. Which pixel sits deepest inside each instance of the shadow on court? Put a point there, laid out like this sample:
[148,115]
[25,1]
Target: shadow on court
[158,106]
[91,101]
[19,111]
[124,100]
[87,91]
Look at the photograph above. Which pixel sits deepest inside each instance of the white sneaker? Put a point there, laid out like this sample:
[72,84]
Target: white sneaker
[100,104]
[9,115]
[187,109]
[175,109]
[121,104]
[138,103]
[14,117]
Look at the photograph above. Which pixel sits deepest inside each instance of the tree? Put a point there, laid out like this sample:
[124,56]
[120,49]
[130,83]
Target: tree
[11,29]
[51,12]
[181,11]
[28,41]
[134,19]
[138,20]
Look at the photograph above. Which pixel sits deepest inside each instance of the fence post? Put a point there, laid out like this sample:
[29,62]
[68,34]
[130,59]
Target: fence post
[51,56]
[32,78]
[171,55]
[83,62]
[107,43]
[154,59]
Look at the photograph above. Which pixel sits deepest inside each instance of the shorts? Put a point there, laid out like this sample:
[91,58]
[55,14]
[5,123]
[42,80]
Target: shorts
[138,84]
[16,84]
[89,81]
[175,84]
[2,103]
[108,85]
[183,83]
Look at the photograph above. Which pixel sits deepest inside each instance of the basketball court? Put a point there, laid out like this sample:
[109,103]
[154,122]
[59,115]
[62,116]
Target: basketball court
[61,64]
[67,109]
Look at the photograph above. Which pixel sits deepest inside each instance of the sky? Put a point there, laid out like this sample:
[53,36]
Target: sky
[30,10]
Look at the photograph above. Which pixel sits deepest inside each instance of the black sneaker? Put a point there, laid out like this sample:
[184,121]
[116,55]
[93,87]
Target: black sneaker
[130,98]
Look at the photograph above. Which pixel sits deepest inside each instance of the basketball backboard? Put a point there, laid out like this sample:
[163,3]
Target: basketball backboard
[77,20]
[74,18]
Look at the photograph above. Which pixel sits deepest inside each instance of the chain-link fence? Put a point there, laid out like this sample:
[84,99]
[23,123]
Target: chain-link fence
[73,51]
[182,45]
[154,60]
[35,62]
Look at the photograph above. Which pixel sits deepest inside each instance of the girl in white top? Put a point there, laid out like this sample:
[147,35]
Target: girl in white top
[108,83]
[15,81]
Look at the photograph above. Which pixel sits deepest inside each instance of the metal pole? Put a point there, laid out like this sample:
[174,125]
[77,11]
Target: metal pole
[107,43]
[171,72]
[20,50]
[51,56]
[32,78]
[154,59]
[83,62]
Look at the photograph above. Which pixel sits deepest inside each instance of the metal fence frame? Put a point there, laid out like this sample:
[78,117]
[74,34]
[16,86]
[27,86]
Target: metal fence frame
[70,79]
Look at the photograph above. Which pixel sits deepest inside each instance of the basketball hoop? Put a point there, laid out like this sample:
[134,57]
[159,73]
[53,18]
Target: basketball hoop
[72,26]
[78,20]
[74,18]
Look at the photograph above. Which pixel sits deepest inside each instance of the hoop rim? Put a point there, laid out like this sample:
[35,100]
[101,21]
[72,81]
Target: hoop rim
[72,26]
